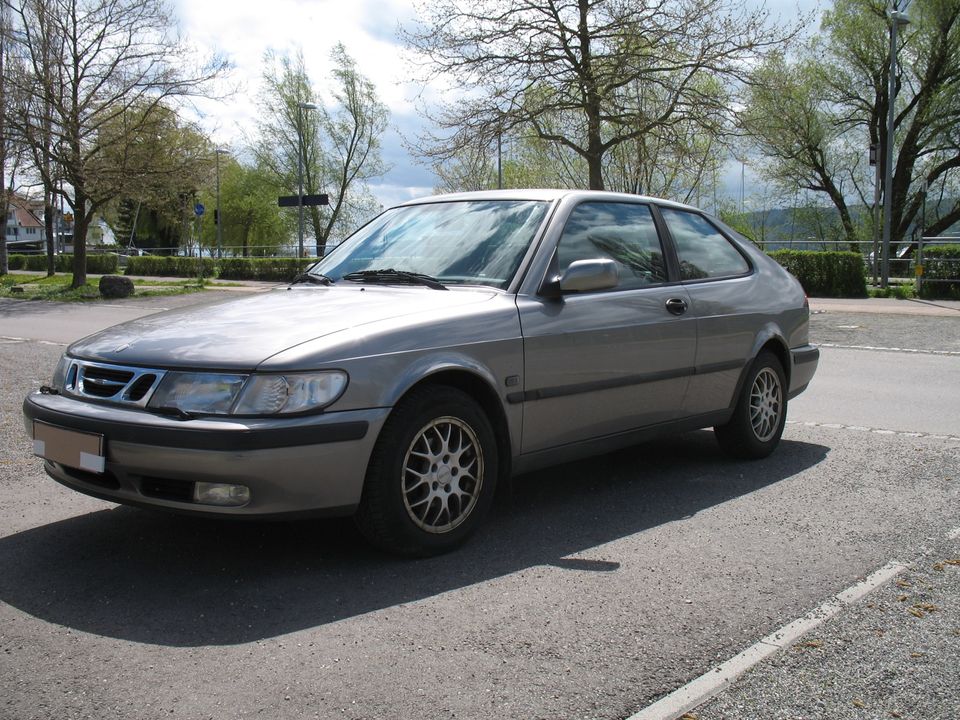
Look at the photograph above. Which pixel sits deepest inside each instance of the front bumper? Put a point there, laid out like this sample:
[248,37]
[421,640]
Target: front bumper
[311,465]
[804,361]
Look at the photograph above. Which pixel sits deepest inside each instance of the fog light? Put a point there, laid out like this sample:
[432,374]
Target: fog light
[223,494]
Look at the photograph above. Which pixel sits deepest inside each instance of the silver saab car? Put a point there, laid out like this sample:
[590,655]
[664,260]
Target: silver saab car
[449,342]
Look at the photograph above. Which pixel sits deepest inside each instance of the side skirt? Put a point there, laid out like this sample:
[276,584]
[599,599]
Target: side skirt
[609,443]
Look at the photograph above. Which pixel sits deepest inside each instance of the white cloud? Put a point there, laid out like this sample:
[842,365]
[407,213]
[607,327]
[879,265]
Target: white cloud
[243,30]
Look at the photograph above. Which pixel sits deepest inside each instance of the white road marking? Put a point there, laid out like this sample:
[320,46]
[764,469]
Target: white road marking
[914,351]
[703,688]
[877,431]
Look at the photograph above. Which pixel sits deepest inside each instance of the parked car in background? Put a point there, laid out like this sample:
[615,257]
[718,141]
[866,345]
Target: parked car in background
[448,343]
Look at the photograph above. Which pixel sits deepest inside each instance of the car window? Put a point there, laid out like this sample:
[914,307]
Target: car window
[702,250]
[470,242]
[623,232]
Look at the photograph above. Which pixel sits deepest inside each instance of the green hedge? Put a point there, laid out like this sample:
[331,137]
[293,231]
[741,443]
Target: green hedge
[269,269]
[105,264]
[825,274]
[941,262]
[169,266]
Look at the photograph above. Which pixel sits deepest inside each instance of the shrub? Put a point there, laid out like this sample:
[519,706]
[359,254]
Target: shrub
[234,268]
[825,274]
[268,269]
[169,266]
[105,264]
[941,264]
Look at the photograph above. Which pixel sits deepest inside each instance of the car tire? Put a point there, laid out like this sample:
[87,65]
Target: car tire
[755,428]
[431,476]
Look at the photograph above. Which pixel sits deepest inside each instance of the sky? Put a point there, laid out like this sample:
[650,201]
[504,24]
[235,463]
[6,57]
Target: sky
[243,30]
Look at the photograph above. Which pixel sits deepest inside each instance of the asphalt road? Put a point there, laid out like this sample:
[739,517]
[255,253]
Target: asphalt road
[594,589]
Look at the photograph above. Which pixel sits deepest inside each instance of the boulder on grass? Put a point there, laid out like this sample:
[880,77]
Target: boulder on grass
[116,286]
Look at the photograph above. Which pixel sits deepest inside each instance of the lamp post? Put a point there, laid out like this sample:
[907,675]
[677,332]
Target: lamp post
[897,18]
[300,108]
[218,213]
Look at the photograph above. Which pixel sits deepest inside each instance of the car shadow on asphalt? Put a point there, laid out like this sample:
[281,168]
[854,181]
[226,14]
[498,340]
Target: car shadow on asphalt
[178,581]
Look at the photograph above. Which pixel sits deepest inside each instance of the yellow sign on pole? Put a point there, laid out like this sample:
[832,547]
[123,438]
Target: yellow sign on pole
[918,270]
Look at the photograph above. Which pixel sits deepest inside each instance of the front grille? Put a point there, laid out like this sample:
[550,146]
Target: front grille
[167,489]
[140,387]
[121,384]
[102,382]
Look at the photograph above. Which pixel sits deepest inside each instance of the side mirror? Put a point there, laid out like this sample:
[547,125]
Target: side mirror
[588,275]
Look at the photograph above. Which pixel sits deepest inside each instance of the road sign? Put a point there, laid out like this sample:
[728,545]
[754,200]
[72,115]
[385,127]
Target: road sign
[308,200]
[199,209]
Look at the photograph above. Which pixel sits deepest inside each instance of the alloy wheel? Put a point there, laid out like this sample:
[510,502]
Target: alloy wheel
[766,404]
[442,475]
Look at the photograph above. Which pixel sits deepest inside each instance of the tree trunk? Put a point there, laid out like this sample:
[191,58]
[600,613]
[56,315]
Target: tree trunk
[81,223]
[4,261]
[48,229]
[4,210]
[595,167]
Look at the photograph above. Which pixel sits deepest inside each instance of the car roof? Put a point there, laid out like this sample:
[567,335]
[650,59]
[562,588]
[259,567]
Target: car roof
[545,195]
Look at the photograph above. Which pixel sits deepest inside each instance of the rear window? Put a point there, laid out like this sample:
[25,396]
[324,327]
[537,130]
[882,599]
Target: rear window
[704,252]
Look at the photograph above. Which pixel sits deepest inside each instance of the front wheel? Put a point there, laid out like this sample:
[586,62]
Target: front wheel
[757,423]
[432,474]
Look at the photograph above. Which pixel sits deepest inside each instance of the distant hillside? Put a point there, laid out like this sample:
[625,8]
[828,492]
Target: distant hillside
[805,228]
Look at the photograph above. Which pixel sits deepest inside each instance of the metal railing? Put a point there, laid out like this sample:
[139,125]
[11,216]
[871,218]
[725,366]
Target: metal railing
[946,270]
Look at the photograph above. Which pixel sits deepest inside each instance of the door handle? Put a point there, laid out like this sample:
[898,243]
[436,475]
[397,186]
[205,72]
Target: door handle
[676,306]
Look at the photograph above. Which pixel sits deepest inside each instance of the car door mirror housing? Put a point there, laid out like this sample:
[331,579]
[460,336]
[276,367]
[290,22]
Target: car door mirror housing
[589,275]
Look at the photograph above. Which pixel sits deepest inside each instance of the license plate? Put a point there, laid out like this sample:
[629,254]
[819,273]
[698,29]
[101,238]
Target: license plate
[69,447]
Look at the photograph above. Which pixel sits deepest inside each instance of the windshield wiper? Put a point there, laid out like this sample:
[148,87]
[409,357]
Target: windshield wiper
[389,275]
[311,278]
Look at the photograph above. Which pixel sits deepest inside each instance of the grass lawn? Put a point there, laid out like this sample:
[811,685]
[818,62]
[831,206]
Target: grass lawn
[41,287]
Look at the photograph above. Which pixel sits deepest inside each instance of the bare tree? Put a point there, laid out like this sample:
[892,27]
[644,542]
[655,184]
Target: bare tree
[8,145]
[95,73]
[559,68]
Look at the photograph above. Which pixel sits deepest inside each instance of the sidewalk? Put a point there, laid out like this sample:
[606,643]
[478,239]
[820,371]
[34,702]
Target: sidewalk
[886,306]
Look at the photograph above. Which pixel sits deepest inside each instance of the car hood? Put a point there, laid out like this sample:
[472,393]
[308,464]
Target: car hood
[241,334]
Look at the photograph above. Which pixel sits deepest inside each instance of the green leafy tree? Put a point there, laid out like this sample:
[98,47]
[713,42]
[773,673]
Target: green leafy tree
[252,224]
[812,116]
[174,160]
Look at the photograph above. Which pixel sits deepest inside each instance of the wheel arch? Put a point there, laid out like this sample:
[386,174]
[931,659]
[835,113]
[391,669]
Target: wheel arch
[769,339]
[483,393]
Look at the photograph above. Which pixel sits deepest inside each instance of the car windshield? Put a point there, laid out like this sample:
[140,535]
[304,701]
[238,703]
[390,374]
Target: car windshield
[478,242]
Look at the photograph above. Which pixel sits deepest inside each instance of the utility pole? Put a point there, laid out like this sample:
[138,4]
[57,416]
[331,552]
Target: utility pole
[218,213]
[897,18]
[300,150]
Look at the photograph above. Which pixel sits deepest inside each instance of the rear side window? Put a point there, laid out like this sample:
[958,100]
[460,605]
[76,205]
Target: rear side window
[702,250]
[623,232]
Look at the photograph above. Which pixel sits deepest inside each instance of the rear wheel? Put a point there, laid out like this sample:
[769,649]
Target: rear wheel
[432,474]
[757,423]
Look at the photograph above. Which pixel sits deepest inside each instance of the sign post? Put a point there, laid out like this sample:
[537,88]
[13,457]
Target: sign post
[300,202]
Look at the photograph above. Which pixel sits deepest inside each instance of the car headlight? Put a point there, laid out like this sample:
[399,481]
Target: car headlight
[291,393]
[258,394]
[203,393]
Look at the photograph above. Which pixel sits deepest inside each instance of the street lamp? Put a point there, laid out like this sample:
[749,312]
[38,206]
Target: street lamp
[300,108]
[897,18]
[218,213]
